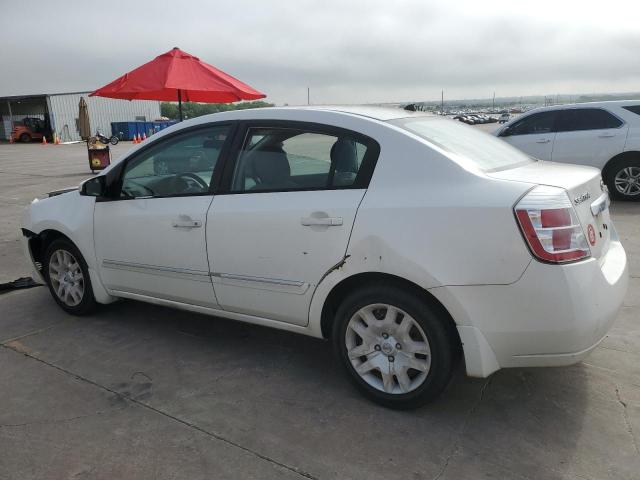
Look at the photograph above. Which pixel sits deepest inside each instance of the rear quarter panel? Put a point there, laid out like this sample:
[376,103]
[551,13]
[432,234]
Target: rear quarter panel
[429,220]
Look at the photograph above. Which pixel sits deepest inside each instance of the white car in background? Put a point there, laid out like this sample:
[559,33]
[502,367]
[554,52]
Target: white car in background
[403,238]
[605,135]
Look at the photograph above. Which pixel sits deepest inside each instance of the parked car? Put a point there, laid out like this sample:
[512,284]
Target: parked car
[605,135]
[404,238]
[504,118]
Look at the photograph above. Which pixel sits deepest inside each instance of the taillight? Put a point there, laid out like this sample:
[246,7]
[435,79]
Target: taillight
[550,225]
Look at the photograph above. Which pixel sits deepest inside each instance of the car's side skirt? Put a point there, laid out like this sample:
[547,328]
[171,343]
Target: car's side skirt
[218,313]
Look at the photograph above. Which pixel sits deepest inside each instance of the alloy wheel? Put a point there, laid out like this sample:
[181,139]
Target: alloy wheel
[388,349]
[627,181]
[65,275]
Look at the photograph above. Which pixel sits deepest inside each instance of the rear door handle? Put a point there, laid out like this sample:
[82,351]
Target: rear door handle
[326,221]
[543,140]
[607,135]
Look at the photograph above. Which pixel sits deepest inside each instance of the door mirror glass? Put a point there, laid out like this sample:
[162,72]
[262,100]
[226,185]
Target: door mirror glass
[94,187]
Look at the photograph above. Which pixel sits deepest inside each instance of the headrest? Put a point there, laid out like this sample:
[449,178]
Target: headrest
[271,166]
[344,155]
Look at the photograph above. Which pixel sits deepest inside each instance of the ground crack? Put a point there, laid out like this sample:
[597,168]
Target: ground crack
[625,414]
[455,450]
[186,423]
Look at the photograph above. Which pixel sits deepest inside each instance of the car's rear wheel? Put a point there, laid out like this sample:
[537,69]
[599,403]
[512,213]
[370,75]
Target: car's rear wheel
[68,278]
[395,347]
[623,179]
[25,138]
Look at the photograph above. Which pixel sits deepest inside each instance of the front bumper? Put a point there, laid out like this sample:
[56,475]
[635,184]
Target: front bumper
[36,270]
[553,315]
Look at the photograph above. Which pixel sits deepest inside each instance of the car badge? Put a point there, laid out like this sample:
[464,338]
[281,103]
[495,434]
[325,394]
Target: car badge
[582,198]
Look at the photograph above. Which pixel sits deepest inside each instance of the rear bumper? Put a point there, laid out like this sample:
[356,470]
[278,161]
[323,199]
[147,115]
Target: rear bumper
[553,316]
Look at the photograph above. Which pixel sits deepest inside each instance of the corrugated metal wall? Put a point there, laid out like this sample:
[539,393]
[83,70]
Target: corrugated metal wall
[63,109]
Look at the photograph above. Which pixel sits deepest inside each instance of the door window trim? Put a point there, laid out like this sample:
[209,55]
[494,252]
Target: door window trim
[117,174]
[243,128]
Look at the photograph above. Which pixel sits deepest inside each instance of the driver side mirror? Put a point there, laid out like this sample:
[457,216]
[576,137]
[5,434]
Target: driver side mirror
[94,187]
[506,132]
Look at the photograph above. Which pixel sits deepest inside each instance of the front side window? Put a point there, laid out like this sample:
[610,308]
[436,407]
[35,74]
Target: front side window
[182,165]
[277,159]
[577,119]
[537,123]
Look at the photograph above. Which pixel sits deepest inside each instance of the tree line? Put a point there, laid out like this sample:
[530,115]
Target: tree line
[192,109]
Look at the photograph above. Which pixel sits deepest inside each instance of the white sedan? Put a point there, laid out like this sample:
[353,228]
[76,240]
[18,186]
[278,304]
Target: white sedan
[406,239]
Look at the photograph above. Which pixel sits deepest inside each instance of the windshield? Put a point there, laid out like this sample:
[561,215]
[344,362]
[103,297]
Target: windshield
[486,151]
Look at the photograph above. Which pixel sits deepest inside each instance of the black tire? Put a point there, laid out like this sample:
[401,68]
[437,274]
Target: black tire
[25,138]
[443,346]
[114,140]
[617,168]
[87,302]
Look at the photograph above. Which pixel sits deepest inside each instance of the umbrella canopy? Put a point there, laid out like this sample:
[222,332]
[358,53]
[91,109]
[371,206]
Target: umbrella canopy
[177,75]
[84,127]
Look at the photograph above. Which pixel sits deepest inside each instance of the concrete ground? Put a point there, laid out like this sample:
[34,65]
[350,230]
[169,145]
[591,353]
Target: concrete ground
[137,391]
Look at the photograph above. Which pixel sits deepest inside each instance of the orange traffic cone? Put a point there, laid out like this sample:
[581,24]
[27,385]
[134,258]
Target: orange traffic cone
[134,140]
[56,139]
[138,140]
[44,140]
[144,136]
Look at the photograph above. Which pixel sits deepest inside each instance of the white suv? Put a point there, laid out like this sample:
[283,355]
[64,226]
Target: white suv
[402,237]
[605,135]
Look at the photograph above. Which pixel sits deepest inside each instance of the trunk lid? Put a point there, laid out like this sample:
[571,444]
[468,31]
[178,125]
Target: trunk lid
[586,192]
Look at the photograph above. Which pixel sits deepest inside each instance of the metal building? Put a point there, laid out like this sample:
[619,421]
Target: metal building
[60,112]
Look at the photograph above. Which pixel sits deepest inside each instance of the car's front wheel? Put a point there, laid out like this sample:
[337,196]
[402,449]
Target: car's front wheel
[623,179]
[396,348]
[68,278]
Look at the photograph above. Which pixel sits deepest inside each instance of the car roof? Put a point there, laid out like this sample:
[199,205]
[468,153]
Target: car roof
[370,111]
[365,111]
[608,103]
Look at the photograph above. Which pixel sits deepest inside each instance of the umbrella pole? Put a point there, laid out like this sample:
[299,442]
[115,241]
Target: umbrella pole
[180,103]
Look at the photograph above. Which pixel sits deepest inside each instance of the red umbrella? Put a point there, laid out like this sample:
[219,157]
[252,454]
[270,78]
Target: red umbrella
[177,75]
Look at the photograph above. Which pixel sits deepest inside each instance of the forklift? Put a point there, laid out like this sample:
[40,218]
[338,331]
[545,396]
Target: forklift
[30,128]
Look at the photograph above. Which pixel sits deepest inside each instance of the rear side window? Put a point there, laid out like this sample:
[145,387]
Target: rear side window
[485,151]
[289,159]
[577,119]
[633,108]
[536,123]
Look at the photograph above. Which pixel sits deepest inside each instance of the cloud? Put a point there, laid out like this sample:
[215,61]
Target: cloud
[346,52]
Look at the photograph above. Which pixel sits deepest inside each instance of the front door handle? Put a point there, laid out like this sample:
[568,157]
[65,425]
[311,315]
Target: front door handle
[607,135]
[326,221]
[185,221]
[543,140]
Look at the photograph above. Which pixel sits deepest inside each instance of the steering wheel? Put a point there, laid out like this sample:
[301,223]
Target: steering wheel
[133,194]
[191,181]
